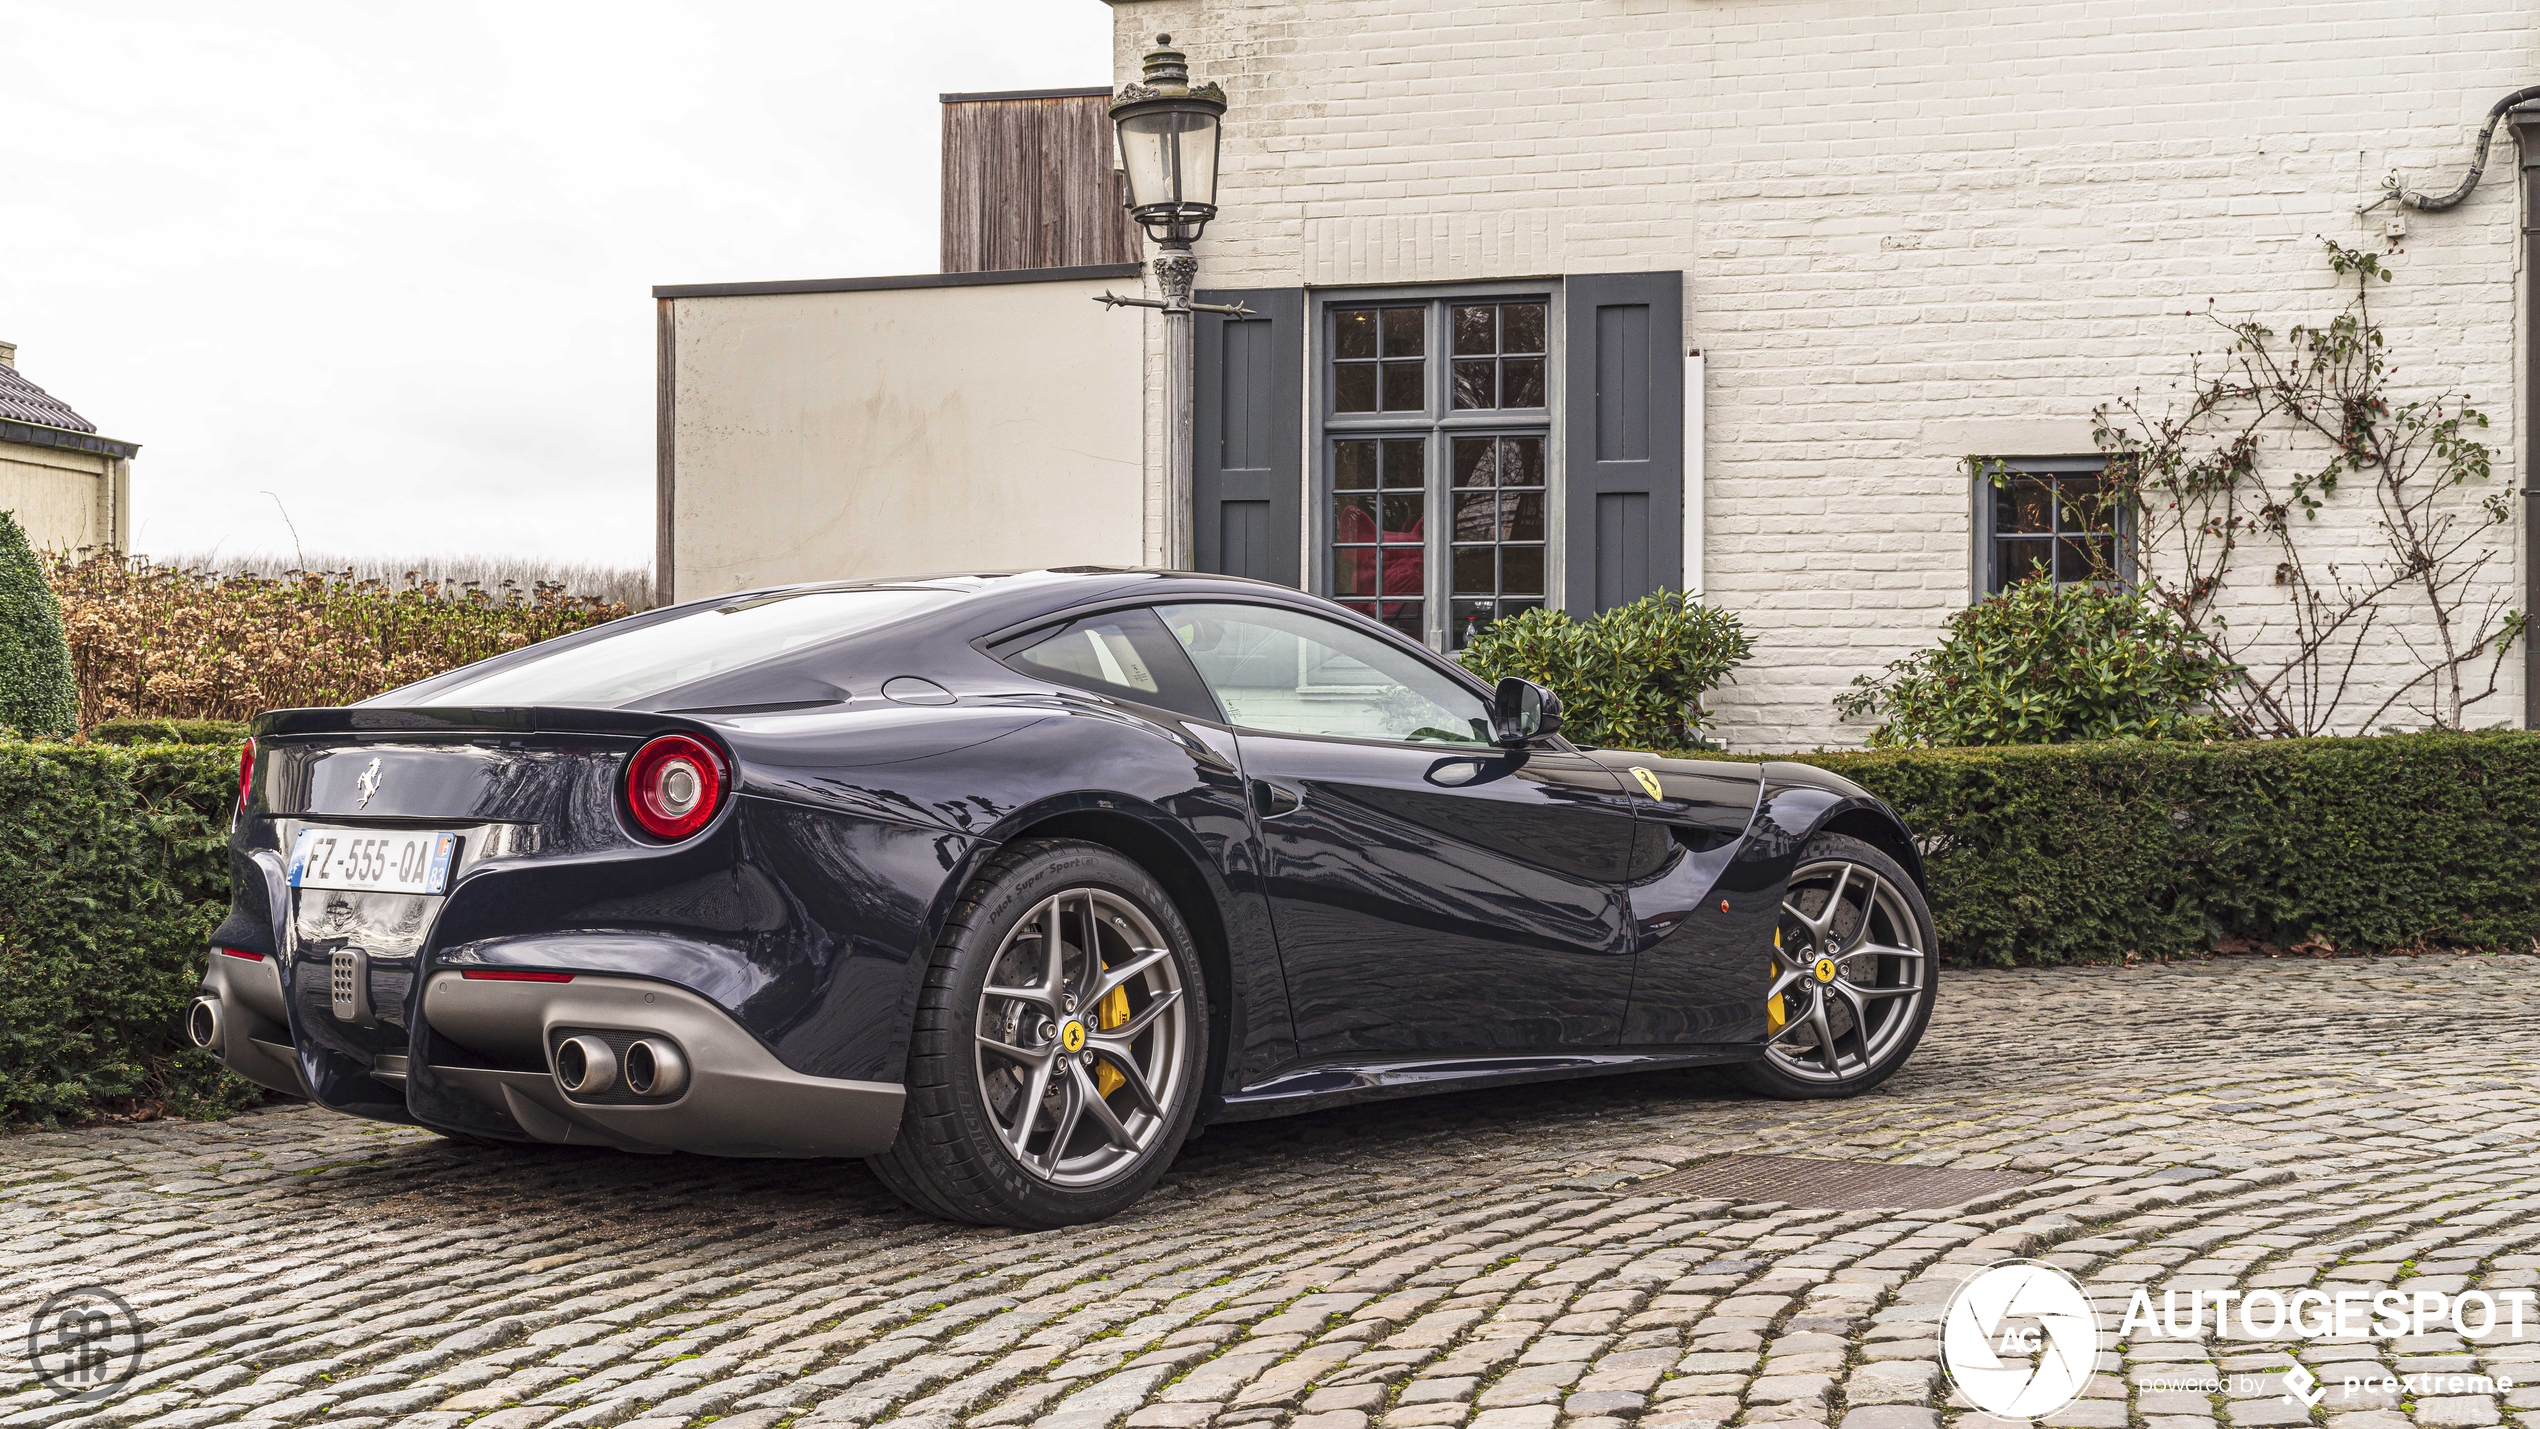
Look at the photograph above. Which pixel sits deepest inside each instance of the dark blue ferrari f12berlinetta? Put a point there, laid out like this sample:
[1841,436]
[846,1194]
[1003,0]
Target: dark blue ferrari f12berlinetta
[1010,883]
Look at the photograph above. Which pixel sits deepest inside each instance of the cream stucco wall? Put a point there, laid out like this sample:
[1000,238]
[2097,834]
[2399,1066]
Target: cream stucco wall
[838,435]
[65,499]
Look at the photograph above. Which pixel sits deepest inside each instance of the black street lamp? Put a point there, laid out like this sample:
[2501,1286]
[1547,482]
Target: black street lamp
[1168,149]
[1168,146]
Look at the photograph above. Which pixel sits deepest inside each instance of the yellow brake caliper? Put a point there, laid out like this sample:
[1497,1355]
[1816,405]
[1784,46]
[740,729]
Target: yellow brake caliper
[1111,1012]
[1775,1015]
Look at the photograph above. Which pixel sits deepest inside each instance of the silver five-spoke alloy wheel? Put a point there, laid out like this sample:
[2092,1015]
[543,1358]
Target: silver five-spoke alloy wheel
[1850,972]
[1080,1037]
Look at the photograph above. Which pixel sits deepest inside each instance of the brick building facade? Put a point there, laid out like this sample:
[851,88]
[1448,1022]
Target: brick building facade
[1879,237]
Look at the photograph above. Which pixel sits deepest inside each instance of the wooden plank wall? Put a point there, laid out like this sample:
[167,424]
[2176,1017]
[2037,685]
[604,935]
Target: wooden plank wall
[1028,183]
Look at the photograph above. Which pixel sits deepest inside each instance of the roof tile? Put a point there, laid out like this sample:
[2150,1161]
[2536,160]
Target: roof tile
[23,401]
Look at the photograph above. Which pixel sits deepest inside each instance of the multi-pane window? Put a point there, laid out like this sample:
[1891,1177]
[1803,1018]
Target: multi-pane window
[1499,530]
[1380,542]
[1437,450]
[2049,518]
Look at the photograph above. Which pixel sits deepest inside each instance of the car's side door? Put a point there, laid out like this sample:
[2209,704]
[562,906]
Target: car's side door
[1431,892]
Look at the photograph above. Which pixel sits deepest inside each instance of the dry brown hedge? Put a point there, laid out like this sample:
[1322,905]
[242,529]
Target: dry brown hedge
[151,641]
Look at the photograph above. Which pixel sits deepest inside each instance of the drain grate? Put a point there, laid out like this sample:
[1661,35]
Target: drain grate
[1829,1185]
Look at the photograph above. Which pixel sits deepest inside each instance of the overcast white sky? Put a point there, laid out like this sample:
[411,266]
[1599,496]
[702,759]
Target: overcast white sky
[393,262]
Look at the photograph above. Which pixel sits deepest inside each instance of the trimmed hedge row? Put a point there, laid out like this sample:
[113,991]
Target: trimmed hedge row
[167,731]
[115,874]
[2088,852]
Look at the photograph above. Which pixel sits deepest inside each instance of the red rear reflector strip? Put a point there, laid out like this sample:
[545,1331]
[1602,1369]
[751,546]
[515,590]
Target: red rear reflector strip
[507,975]
[240,953]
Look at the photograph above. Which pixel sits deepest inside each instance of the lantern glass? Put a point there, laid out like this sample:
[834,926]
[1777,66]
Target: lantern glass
[1170,153]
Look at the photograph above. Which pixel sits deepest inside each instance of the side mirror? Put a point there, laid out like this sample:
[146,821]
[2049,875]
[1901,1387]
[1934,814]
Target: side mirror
[1522,712]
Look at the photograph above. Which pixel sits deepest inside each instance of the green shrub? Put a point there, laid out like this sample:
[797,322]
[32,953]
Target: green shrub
[1632,677]
[2088,852]
[38,699]
[115,872]
[2045,664]
[168,731]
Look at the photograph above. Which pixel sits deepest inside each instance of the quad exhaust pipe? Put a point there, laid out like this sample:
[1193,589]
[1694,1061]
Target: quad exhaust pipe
[585,1066]
[650,1067]
[203,1023]
[654,1068]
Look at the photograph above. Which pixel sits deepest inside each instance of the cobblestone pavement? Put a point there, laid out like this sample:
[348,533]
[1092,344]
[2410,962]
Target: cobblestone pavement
[1477,1260]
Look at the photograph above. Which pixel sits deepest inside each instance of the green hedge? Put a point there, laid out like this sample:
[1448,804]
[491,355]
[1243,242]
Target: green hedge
[2088,852]
[112,877]
[168,731]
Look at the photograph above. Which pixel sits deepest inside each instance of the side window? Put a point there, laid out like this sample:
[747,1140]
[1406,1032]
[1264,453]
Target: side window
[1293,673]
[1123,653]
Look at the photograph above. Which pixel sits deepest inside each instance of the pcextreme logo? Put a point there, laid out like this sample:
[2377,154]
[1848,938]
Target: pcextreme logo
[2019,1339]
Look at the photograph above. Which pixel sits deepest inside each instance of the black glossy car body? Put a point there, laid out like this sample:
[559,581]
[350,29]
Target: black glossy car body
[1373,918]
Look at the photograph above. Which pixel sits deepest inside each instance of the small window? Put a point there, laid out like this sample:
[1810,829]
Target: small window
[1124,654]
[2051,517]
[1291,673]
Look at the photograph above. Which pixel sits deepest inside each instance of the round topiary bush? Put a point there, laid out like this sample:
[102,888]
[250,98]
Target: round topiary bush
[38,699]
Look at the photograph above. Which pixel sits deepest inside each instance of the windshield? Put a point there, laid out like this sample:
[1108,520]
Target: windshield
[646,660]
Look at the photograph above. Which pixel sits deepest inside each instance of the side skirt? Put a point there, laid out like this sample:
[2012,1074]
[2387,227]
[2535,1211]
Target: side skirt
[1319,1088]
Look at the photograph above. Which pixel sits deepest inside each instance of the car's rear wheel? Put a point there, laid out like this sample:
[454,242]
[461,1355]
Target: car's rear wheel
[1853,974]
[1055,1063]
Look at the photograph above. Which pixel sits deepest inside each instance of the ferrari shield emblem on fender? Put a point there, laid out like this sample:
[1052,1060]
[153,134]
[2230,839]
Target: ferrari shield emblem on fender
[1648,783]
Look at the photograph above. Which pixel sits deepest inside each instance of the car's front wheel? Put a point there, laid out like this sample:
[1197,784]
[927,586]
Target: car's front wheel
[1055,1063]
[1853,971]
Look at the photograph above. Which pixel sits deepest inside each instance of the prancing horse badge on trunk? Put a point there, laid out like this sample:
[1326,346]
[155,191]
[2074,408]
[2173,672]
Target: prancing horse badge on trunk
[368,784]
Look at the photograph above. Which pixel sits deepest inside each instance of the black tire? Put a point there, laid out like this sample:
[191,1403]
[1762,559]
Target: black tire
[951,1159]
[1892,1046]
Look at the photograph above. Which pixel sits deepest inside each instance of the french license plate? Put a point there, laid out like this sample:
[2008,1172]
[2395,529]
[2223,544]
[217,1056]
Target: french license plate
[372,860]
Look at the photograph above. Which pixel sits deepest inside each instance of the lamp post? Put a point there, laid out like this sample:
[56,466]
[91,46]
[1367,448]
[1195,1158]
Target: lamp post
[1168,130]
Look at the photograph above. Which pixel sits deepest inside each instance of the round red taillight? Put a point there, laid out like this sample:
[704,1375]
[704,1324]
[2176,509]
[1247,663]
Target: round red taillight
[246,774]
[673,785]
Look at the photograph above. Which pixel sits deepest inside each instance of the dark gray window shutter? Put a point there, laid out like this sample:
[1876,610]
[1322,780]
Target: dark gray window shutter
[1247,477]
[1623,433]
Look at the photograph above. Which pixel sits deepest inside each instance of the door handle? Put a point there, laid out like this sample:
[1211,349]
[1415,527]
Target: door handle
[1272,801]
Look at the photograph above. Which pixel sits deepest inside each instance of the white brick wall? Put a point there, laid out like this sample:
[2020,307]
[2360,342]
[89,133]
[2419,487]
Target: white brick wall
[1911,230]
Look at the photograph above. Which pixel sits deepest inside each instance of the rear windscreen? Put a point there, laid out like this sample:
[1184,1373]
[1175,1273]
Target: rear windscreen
[648,659]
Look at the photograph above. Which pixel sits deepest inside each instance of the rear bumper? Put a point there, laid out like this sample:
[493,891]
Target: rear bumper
[738,1100]
[252,1034]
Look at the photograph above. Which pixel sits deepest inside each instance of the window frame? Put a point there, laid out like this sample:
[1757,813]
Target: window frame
[1445,665]
[2050,468]
[1437,424]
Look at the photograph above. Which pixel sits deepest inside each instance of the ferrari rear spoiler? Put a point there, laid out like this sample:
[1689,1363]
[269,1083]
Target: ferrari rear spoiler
[462,719]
